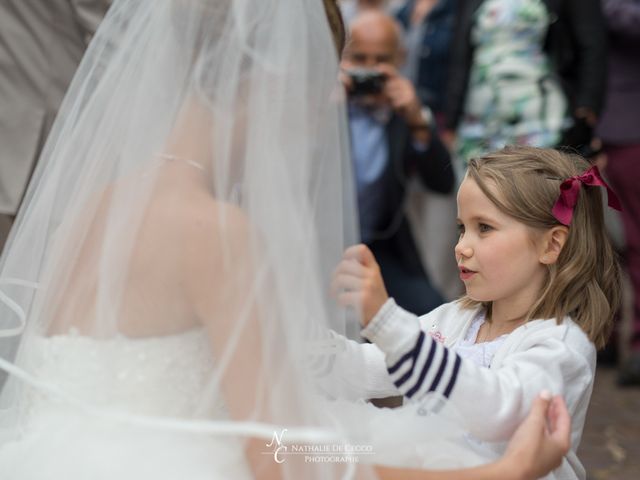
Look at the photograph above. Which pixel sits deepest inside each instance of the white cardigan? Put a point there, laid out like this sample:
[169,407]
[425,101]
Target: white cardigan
[492,402]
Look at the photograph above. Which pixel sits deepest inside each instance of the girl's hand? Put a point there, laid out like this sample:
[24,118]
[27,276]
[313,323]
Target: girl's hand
[357,283]
[541,440]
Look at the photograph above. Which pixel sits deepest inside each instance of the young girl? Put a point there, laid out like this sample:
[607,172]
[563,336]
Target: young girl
[542,285]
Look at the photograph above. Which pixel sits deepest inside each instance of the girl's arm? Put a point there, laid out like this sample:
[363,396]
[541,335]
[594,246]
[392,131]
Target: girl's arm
[225,297]
[352,370]
[491,402]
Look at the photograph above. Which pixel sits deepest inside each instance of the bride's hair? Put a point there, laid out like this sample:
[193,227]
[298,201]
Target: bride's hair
[208,26]
[336,23]
[332,10]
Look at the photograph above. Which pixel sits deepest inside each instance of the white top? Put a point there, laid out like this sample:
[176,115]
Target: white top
[479,353]
[539,355]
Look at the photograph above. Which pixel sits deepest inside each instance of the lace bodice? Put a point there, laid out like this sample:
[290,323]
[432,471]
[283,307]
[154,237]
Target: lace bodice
[479,353]
[162,376]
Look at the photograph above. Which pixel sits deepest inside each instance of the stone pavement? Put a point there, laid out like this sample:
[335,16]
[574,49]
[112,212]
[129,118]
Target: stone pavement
[610,448]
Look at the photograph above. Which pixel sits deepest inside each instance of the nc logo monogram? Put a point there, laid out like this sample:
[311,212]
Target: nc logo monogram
[276,443]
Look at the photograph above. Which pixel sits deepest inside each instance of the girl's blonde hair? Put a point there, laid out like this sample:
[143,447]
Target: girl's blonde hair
[585,281]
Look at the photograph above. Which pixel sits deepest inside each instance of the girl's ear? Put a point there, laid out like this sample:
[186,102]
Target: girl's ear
[552,243]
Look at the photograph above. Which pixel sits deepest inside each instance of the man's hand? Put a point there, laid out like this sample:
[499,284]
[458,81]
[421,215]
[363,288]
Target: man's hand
[357,283]
[402,96]
[541,440]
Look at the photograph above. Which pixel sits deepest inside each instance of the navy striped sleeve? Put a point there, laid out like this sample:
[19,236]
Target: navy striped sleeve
[432,368]
[417,364]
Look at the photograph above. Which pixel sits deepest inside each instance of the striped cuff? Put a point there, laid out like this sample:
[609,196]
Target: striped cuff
[416,363]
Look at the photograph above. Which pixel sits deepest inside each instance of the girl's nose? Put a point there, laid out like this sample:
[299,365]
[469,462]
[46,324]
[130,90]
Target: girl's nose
[463,249]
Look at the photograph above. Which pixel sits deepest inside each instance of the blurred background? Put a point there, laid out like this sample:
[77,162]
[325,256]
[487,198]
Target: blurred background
[468,76]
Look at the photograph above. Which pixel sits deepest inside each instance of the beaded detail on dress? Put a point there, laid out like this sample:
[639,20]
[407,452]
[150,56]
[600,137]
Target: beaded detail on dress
[151,376]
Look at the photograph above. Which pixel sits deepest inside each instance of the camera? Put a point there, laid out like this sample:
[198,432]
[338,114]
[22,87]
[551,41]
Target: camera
[366,81]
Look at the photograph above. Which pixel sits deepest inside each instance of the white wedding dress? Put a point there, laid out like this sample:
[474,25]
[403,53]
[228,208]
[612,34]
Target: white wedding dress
[156,377]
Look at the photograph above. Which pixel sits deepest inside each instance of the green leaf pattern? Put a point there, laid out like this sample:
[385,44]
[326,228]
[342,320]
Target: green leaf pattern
[513,96]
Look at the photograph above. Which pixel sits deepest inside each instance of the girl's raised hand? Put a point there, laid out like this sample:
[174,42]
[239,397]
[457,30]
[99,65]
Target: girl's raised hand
[357,283]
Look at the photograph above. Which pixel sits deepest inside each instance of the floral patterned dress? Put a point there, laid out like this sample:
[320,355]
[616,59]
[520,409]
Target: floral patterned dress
[513,96]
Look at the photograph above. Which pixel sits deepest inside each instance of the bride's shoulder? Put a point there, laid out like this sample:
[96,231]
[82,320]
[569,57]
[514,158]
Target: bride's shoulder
[207,216]
[215,232]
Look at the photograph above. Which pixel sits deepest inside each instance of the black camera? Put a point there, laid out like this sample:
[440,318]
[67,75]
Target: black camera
[365,81]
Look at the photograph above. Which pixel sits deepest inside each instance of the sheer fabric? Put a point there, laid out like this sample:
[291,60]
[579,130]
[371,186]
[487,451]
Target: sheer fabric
[194,181]
[164,292]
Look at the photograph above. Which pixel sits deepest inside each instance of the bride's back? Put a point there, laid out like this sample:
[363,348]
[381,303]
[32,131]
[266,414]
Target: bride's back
[185,248]
[114,244]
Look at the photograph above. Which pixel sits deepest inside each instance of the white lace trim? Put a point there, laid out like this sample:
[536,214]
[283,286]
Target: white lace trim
[479,353]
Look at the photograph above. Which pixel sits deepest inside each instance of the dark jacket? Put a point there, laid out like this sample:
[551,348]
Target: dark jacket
[575,43]
[433,66]
[393,244]
[432,166]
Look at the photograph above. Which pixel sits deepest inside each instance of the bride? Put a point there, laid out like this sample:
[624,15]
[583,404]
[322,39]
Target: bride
[163,292]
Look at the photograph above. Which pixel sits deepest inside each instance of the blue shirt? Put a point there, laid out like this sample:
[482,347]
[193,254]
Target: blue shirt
[370,154]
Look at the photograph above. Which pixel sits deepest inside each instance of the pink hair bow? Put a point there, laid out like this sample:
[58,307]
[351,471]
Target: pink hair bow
[569,189]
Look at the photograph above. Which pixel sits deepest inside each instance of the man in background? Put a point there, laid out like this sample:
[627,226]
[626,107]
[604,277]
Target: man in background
[391,140]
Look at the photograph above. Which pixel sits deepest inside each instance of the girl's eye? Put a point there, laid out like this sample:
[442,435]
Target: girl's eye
[483,227]
[460,229]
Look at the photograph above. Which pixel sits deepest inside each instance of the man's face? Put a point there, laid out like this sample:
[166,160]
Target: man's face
[370,48]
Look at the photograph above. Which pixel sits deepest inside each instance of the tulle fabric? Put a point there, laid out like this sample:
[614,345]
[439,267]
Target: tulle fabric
[197,179]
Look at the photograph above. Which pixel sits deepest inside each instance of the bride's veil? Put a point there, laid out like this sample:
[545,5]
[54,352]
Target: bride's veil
[197,177]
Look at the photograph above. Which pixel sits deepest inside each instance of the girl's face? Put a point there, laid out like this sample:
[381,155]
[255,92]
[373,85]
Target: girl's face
[498,256]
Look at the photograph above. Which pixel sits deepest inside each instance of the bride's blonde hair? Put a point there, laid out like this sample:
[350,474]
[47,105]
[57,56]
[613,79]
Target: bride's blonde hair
[585,281]
[336,23]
